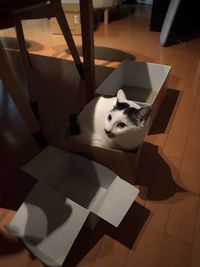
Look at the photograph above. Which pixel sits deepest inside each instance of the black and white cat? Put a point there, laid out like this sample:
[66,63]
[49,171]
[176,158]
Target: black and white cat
[114,122]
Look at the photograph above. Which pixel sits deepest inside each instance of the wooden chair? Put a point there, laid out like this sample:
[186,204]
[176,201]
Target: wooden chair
[12,12]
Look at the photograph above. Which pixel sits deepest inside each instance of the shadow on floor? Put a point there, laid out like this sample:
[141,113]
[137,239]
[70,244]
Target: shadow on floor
[11,43]
[105,53]
[162,118]
[126,234]
[154,175]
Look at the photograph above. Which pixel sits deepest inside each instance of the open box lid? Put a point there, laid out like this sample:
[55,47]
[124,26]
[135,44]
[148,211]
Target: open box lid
[51,217]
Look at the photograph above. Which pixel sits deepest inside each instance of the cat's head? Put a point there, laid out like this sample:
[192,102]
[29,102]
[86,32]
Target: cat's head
[125,117]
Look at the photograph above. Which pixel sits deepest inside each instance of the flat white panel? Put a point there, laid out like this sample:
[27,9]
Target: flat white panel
[116,202]
[48,223]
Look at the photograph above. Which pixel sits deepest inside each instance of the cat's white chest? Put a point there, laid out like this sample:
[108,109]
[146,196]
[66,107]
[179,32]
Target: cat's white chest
[92,120]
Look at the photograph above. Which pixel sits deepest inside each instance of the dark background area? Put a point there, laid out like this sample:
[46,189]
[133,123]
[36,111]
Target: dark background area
[187,19]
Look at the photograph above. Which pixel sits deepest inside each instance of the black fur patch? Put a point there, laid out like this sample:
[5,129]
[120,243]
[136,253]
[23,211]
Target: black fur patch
[131,114]
[138,115]
[130,111]
[74,128]
[121,105]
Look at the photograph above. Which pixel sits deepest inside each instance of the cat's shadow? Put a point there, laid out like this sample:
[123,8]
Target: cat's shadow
[156,176]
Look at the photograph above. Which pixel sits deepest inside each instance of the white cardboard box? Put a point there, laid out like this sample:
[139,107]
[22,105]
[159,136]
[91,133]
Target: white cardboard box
[141,81]
[69,187]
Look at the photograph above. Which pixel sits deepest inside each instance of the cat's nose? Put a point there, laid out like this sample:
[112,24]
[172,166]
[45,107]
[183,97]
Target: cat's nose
[107,132]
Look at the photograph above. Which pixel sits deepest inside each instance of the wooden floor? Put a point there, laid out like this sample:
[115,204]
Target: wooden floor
[162,228]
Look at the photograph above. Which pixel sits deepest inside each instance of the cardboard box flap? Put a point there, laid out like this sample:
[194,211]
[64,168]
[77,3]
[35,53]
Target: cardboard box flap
[116,201]
[40,166]
[48,223]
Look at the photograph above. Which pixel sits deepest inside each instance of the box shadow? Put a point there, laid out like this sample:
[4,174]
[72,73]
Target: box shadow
[126,234]
[165,112]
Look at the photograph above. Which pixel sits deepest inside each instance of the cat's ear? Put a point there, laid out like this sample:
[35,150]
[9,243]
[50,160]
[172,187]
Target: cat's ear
[139,115]
[121,96]
[143,114]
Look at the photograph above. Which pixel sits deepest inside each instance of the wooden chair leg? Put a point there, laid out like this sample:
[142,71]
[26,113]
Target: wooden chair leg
[60,16]
[106,15]
[12,86]
[24,55]
[26,67]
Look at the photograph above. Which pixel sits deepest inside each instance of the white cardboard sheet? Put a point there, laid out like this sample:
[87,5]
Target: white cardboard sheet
[69,188]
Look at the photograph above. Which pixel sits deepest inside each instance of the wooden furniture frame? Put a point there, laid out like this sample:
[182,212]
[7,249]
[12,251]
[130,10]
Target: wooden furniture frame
[46,9]
[9,79]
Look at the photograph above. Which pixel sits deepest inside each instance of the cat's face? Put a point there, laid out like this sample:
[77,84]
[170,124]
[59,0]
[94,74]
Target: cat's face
[125,118]
[117,123]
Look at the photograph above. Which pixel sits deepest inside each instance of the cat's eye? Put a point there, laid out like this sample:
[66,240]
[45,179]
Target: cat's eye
[121,125]
[109,117]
